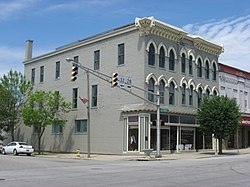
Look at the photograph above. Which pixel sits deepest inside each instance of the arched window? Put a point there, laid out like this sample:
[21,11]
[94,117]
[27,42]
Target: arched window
[199,96]
[199,68]
[151,55]
[171,60]
[215,93]
[171,94]
[214,72]
[191,95]
[183,63]
[151,88]
[162,91]
[190,65]
[162,58]
[183,94]
[206,70]
[207,93]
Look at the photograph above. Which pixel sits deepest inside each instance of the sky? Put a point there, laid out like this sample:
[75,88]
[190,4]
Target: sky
[51,24]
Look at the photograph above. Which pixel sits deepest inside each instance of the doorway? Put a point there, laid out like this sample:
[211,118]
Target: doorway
[133,138]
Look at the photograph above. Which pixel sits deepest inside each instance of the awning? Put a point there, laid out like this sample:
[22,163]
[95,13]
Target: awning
[141,107]
[245,121]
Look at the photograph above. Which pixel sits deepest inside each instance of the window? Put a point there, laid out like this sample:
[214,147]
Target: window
[151,89]
[32,80]
[120,54]
[207,93]
[94,96]
[191,95]
[190,65]
[171,60]
[57,100]
[207,70]
[57,70]
[36,129]
[171,94]
[151,55]
[81,126]
[56,129]
[74,97]
[162,58]
[199,68]
[214,72]
[183,63]
[183,95]
[199,96]
[97,60]
[41,73]
[162,91]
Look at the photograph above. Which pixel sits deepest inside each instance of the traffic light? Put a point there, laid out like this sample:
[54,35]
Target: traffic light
[74,72]
[114,80]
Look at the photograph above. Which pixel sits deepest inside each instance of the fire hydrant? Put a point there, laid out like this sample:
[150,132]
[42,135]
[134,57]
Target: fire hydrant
[78,152]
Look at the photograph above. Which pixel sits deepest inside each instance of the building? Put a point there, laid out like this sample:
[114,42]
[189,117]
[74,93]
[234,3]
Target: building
[153,56]
[235,83]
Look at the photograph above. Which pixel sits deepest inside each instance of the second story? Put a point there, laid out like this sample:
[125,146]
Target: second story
[235,83]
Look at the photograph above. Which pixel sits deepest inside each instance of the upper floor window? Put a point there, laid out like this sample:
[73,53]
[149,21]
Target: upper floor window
[206,70]
[57,70]
[57,94]
[162,91]
[151,89]
[199,68]
[162,58]
[42,74]
[190,65]
[151,55]
[120,54]
[214,71]
[191,95]
[32,79]
[199,96]
[183,95]
[171,94]
[171,60]
[94,96]
[74,97]
[183,63]
[207,92]
[97,60]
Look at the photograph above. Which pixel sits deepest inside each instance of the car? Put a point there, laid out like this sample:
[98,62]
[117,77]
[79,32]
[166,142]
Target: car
[17,148]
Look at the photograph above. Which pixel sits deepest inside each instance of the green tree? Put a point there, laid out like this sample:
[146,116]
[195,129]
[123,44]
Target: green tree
[14,89]
[44,109]
[219,116]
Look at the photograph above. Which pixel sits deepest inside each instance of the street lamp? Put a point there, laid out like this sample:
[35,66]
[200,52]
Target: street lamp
[88,108]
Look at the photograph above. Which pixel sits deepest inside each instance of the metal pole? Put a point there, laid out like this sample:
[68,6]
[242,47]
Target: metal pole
[158,146]
[237,136]
[88,114]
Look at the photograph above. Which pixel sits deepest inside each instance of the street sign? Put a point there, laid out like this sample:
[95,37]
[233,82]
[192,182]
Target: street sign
[125,81]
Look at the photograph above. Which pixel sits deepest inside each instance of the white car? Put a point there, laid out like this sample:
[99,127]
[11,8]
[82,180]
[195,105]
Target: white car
[17,148]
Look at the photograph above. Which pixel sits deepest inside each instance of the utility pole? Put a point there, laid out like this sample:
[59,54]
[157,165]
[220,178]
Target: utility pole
[88,113]
[158,146]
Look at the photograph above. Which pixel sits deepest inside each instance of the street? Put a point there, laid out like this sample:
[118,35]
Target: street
[44,171]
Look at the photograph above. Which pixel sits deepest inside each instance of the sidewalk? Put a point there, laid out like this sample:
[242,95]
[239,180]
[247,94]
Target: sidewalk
[175,156]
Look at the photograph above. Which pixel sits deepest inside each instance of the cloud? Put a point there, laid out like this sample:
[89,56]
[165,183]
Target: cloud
[11,8]
[233,33]
[11,58]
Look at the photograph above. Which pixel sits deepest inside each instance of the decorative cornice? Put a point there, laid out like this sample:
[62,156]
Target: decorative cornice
[151,26]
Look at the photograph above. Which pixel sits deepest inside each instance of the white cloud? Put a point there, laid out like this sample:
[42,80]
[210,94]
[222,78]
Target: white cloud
[11,58]
[10,8]
[233,33]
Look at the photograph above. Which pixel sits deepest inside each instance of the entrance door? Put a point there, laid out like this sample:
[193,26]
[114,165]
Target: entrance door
[132,138]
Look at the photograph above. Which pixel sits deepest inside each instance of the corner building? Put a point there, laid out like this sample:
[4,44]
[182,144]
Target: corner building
[154,56]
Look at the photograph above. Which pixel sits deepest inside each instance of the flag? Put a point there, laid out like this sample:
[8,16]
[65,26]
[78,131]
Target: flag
[84,100]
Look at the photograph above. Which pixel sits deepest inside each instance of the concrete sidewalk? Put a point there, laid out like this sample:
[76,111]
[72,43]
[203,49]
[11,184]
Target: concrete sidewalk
[176,156]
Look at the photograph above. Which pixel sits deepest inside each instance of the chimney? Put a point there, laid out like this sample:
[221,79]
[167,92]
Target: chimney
[28,49]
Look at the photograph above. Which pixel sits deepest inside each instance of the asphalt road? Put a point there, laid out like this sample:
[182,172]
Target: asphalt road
[36,171]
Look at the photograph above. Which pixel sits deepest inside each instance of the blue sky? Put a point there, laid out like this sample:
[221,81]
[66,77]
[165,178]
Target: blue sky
[55,23]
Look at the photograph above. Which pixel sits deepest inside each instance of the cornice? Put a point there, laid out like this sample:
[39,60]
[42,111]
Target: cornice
[151,26]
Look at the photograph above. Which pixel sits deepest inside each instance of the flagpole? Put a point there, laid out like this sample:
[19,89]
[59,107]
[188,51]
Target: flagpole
[88,113]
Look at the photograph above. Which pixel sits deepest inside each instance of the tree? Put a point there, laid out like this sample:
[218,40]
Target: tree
[14,89]
[44,109]
[219,116]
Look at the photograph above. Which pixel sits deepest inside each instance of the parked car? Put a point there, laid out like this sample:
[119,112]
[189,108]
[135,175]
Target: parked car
[17,148]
